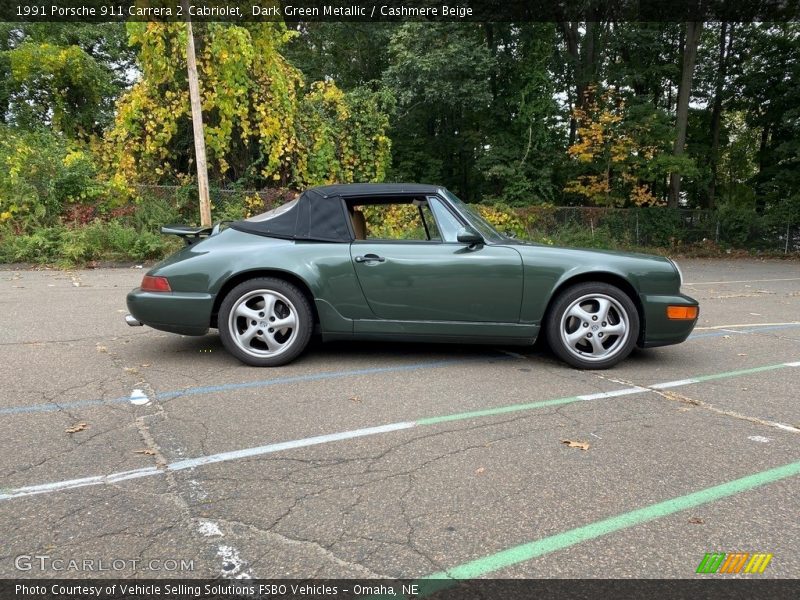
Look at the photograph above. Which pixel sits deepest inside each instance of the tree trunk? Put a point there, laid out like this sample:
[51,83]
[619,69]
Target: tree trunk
[570,33]
[762,160]
[716,114]
[682,111]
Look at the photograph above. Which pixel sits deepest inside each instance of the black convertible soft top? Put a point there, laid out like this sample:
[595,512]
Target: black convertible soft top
[320,214]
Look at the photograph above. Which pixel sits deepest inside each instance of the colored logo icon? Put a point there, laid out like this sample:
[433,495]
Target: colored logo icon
[734,562]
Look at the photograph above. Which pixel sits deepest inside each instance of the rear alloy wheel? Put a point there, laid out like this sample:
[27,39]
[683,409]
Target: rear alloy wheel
[265,322]
[593,326]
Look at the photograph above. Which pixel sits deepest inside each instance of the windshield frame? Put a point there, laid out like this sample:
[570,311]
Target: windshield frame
[475,220]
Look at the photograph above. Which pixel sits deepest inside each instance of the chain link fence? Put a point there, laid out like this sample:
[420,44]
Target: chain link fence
[654,227]
[663,227]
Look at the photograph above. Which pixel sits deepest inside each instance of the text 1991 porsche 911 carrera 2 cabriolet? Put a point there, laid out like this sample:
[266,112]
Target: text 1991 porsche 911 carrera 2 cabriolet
[405,262]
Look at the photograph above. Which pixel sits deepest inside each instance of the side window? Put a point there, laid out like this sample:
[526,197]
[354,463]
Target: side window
[448,223]
[412,221]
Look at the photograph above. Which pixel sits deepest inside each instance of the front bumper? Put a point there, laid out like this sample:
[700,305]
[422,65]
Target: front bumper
[187,313]
[658,329]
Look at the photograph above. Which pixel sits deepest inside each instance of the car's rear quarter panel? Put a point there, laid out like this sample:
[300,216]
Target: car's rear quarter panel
[212,267]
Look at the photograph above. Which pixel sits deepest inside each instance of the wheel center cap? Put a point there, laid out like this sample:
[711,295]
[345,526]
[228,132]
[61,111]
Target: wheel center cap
[262,324]
[595,327]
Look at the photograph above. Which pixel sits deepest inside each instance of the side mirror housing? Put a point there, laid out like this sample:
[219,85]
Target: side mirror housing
[467,235]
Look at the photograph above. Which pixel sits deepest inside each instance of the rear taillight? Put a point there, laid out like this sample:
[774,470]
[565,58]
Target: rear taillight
[155,284]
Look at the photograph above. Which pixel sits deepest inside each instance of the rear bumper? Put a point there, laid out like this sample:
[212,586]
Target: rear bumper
[186,313]
[658,329]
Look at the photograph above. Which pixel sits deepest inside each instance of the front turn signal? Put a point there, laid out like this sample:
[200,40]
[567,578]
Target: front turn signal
[155,284]
[682,313]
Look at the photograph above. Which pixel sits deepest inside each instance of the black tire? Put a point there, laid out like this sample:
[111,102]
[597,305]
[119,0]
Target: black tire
[617,334]
[266,346]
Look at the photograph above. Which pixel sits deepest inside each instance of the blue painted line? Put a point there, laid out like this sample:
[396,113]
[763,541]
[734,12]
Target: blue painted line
[733,331]
[301,378]
[52,406]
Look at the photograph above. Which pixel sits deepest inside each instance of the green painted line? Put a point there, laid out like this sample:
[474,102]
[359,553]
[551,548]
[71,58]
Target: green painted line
[500,410]
[528,551]
[727,374]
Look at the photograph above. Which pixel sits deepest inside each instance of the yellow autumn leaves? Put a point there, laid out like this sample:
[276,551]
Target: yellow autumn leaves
[261,118]
[609,154]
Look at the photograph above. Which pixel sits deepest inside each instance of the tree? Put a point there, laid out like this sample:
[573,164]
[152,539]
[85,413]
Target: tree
[62,75]
[726,35]
[682,111]
[254,102]
[440,75]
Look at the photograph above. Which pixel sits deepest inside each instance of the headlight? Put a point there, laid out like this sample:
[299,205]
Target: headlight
[678,269]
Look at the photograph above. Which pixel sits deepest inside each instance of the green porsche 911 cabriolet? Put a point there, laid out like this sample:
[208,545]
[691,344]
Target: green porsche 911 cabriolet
[405,262]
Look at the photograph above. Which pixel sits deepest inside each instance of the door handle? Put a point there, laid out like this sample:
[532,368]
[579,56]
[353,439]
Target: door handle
[369,258]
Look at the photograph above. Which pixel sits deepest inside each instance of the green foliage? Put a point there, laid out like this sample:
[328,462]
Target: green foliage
[263,124]
[40,174]
[440,74]
[67,246]
[63,75]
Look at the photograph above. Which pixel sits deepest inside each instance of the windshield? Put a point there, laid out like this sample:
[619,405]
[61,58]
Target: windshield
[483,227]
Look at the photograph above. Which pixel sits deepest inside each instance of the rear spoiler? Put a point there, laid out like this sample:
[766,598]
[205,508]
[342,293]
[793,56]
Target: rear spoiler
[189,234]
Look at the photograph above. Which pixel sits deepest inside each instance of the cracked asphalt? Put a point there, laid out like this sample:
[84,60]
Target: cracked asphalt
[403,503]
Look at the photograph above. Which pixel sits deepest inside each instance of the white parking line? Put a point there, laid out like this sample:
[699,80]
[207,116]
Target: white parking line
[192,463]
[614,394]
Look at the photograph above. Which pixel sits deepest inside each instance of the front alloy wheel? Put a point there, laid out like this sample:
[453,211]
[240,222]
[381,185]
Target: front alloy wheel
[593,326]
[265,322]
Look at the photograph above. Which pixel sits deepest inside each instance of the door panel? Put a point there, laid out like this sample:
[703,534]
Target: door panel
[431,281]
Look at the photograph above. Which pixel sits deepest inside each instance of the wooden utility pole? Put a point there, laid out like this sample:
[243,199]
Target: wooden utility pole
[197,124]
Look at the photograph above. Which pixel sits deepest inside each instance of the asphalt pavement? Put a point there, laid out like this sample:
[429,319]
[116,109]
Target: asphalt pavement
[150,454]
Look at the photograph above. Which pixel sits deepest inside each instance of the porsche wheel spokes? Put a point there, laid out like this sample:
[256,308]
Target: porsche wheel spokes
[595,327]
[263,323]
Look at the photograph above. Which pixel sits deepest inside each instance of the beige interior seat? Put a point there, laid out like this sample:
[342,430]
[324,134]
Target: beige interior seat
[359,225]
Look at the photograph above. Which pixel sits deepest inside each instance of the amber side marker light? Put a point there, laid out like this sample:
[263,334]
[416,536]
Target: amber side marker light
[155,284]
[684,313]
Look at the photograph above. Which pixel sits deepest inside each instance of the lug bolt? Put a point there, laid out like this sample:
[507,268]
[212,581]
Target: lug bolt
[252,322]
[261,314]
[585,324]
[604,323]
[259,332]
[272,318]
[594,318]
[588,335]
[600,334]
[271,330]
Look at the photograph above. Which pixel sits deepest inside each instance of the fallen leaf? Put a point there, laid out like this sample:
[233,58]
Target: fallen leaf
[756,314]
[741,354]
[145,365]
[146,451]
[76,284]
[131,370]
[726,336]
[77,428]
[355,399]
[696,521]
[574,444]
[479,470]
[101,348]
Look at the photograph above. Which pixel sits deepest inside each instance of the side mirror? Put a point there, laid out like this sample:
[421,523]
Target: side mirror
[467,235]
